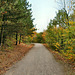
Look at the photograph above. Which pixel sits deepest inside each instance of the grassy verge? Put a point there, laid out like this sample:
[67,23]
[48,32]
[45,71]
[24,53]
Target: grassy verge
[69,67]
[9,57]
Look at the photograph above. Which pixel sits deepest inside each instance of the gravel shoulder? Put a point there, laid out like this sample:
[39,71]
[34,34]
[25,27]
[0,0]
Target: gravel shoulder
[38,61]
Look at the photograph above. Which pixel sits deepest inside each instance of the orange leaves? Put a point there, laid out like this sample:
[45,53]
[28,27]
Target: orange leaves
[71,22]
[70,48]
[44,34]
[4,12]
[7,58]
[3,2]
[69,55]
[34,34]
[57,45]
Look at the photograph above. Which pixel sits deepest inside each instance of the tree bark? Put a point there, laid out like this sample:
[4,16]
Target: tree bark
[20,39]
[62,40]
[16,38]
[1,36]
[2,33]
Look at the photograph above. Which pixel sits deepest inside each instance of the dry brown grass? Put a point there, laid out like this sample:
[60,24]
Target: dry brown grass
[9,57]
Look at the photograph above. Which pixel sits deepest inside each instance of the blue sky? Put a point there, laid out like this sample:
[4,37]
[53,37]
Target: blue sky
[43,11]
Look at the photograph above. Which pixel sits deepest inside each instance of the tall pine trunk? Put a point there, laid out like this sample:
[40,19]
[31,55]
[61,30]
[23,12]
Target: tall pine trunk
[1,36]
[2,33]
[20,39]
[16,38]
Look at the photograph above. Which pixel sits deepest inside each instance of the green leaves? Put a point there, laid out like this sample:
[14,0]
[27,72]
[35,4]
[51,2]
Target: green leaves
[17,17]
[61,30]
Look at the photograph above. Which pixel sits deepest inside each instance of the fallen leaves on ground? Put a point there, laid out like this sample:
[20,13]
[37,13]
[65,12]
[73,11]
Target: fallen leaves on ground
[9,57]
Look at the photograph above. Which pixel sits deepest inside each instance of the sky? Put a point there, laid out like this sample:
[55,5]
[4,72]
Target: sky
[43,11]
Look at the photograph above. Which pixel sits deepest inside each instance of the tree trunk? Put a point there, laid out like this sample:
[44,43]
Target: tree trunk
[1,36]
[62,40]
[2,33]
[16,38]
[20,39]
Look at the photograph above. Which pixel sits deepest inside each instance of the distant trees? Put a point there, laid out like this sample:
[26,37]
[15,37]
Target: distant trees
[37,37]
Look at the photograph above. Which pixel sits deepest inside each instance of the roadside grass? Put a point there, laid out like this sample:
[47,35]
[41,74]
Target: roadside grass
[10,56]
[69,67]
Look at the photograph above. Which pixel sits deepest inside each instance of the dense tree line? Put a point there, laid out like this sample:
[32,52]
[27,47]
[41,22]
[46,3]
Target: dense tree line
[15,20]
[60,33]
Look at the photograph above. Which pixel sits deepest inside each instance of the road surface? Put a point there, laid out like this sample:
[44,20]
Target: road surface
[39,61]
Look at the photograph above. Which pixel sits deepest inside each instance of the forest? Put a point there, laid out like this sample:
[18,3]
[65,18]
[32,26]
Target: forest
[16,27]
[16,22]
[60,33]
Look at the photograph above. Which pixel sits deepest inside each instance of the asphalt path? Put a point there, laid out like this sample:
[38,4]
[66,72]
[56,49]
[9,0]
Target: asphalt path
[38,61]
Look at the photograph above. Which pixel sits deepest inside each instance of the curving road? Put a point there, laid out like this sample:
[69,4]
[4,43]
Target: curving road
[39,61]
